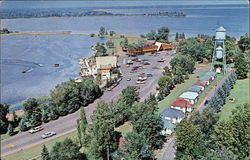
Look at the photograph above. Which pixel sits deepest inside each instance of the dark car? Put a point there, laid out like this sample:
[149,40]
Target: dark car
[149,75]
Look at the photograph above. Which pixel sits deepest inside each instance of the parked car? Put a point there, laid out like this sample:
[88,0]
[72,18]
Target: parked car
[149,75]
[133,71]
[142,78]
[146,63]
[161,60]
[155,67]
[140,81]
[110,89]
[36,129]
[128,79]
[48,134]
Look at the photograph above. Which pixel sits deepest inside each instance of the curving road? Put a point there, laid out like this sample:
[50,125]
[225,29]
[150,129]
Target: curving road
[67,123]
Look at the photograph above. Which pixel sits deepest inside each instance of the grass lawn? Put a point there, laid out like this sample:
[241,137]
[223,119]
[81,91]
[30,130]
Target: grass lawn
[178,90]
[241,95]
[34,151]
[126,127]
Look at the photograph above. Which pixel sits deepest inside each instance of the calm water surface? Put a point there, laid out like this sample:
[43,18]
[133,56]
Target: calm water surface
[19,53]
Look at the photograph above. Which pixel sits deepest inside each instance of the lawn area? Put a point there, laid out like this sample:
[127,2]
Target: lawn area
[34,151]
[178,90]
[126,127]
[241,95]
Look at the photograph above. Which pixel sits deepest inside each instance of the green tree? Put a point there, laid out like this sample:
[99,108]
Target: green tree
[4,109]
[102,31]
[10,130]
[124,43]
[176,36]
[242,67]
[193,48]
[111,33]
[244,43]
[150,126]
[100,50]
[163,33]
[183,64]
[66,150]
[136,148]
[222,96]
[152,102]
[189,141]
[110,44]
[138,110]
[45,153]
[167,71]
[205,120]
[82,125]
[233,133]
[166,82]
[45,115]
[22,125]
[152,35]
[130,95]
[30,105]
[215,103]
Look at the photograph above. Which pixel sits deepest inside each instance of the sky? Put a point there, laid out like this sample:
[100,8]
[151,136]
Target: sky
[111,3]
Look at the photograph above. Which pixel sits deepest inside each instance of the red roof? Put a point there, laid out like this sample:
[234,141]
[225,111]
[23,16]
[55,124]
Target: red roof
[200,84]
[181,103]
[148,43]
[121,144]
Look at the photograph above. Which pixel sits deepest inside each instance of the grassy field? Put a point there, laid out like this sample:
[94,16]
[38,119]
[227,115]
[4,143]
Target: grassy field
[126,127]
[178,90]
[34,152]
[241,95]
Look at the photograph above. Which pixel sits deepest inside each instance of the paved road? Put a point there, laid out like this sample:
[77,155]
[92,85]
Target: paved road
[169,153]
[67,123]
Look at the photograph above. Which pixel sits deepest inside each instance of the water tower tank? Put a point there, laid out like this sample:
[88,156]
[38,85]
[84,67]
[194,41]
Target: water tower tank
[220,34]
[219,53]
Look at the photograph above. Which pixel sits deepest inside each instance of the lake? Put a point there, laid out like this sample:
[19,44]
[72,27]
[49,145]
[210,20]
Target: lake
[19,53]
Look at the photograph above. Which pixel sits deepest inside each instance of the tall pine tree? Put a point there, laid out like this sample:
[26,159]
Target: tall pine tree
[45,153]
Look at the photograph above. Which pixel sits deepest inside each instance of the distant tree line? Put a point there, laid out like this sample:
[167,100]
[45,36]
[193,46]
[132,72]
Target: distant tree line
[7,13]
[179,36]
[5,31]
[181,67]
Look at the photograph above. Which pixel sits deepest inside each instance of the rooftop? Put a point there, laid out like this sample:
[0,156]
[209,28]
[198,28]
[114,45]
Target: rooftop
[200,84]
[189,95]
[173,113]
[181,103]
[195,89]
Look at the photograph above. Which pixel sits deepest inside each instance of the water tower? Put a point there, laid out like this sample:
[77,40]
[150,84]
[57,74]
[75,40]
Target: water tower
[219,55]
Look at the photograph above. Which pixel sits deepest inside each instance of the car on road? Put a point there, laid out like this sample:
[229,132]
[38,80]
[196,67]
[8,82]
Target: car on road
[48,134]
[155,67]
[128,79]
[110,89]
[36,129]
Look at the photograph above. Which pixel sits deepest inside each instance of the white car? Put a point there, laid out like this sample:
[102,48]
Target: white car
[142,78]
[36,129]
[140,82]
[48,134]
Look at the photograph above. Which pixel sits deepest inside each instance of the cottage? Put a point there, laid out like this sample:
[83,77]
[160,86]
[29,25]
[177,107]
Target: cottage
[196,89]
[201,83]
[182,105]
[190,96]
[174,115]
[168,127]
[208,77]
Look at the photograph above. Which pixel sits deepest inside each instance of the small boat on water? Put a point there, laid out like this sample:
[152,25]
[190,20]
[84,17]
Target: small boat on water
[27,71]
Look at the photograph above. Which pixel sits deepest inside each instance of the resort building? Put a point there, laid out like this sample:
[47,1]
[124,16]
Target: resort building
[208,77]
[105,71]
[182,105]
[106,60]
[192,97]
[88,68]
[174,115]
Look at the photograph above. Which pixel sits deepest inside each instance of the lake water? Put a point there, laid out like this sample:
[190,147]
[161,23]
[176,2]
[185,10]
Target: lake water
[26,52]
